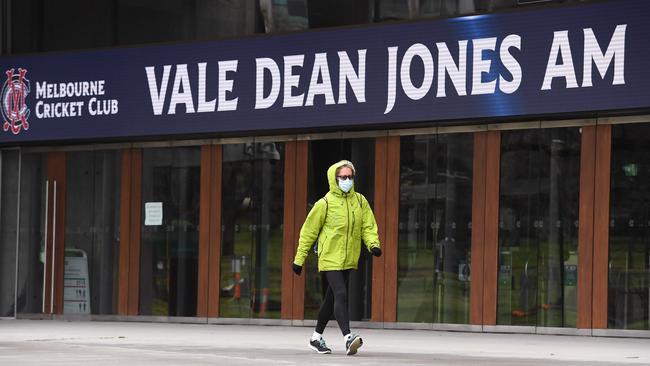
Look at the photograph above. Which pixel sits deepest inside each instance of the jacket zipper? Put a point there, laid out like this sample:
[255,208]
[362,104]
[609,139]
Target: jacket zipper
[347,230]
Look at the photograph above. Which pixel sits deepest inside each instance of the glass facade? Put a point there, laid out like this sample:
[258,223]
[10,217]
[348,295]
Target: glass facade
[538,227]
[322,154]
[252,202]
[9,164]
[434,243]
[170,231]
[92,232]
[629,231]
[109,23]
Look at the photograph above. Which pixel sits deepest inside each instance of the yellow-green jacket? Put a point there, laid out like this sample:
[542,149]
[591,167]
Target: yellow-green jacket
[343,220]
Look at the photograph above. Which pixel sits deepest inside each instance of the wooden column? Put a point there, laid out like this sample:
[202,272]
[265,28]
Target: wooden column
[601,226]
[491,243]
[300,213]
[56,173]
[478,227]
[391,231]
[135,232]
[586,226]
[289,241]
[378,280]
[125,234]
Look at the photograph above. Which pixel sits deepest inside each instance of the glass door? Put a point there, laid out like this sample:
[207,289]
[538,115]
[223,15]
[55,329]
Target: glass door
[40,234]
[92,219]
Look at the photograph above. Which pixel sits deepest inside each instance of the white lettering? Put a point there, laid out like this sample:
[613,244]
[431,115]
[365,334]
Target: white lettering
[225,85]
[204,105]
[421,51]
[593,52]
[292,80]
[320,68]
[347,74]
[482,66]
[446,65]
[157,94]
[511,64]
[41,89]
[392,79]
[181,81]
[561,47]
[262,64]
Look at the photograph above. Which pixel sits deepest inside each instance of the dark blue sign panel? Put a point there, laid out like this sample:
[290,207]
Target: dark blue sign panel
[558,60]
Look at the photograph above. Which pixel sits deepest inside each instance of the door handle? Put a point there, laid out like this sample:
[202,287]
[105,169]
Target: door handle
[53,247]
[47,194]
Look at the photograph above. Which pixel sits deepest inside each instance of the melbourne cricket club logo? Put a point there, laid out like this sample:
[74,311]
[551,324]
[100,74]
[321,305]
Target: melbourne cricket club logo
[14,109]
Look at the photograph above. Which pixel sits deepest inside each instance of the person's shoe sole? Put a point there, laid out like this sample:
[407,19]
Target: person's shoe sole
[319,352]
[354,346]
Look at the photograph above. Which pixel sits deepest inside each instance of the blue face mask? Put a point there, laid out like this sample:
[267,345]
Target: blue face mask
[346,184]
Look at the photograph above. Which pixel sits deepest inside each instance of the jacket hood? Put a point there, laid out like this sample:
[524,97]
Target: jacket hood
[331,176]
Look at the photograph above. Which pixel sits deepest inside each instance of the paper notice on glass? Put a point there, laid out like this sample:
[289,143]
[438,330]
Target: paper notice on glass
[153,213]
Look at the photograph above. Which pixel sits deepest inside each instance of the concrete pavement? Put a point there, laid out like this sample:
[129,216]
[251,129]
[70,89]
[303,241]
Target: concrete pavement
[35,342]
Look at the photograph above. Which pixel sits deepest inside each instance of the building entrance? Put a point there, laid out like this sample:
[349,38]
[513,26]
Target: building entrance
[67,237]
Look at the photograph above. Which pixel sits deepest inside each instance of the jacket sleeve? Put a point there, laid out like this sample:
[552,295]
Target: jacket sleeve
[310,230]
[369,232]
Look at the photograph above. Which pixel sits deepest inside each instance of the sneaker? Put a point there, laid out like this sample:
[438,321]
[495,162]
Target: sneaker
[319,346]
[352,344]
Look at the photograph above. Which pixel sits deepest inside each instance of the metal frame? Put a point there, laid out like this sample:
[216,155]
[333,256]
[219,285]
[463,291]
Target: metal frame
[20,168]
[569,123]
[341,135]
[514,126]
[645,118]
[462,128]
[84,147]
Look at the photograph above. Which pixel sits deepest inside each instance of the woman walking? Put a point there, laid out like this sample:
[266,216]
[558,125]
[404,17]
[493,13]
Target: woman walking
[338,221]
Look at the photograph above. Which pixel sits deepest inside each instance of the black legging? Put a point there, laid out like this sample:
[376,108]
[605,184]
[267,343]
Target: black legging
[336,301]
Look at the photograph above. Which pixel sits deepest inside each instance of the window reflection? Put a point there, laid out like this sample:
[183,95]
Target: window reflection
[284,15]
[322,154]
[169,245]
[629,234]
[252,217]
[435,213]
[92,232]
[538,227]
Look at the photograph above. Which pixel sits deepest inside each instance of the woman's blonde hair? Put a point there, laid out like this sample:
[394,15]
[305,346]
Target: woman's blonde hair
[346,164]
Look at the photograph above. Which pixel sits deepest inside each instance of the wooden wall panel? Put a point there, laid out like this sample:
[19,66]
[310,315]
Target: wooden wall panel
[300,213]
[125,234]
[601,226]
[289,241]
[478,227]
[135,234]
[378,283]
[214,262]
[586,226]
[204,231]
[491,244]
[392,217]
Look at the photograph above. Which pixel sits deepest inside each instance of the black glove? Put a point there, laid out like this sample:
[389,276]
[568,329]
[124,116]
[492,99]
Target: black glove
[375,251]
[297,269]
